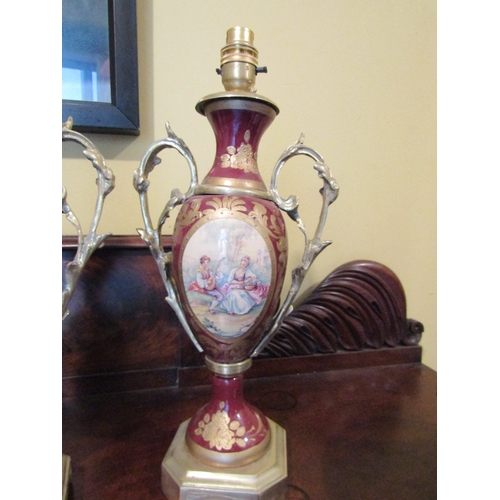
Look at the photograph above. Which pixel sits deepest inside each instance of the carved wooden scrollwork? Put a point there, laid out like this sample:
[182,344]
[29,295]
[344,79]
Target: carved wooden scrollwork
[360,305]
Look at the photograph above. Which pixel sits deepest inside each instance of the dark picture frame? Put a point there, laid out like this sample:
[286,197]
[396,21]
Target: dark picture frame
[121,116]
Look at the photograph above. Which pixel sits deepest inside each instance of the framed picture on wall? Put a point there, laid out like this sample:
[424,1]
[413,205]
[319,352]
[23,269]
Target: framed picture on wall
[99,66]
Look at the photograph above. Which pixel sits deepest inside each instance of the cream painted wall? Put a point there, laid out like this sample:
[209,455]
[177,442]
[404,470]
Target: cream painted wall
[357,77]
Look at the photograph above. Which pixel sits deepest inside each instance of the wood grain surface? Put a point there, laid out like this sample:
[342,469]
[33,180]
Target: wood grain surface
[357,434]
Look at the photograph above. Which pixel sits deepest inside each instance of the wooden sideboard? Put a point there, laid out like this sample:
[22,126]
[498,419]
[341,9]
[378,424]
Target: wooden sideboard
[343,377]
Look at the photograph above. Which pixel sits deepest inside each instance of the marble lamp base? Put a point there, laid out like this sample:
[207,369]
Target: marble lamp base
[184,477]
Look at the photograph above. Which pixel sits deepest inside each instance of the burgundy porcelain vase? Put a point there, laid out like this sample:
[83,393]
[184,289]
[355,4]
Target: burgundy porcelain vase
[225,273]
[230,250]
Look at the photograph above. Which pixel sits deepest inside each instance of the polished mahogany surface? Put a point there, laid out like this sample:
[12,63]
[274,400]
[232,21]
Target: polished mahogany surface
[343,377]
[360,433]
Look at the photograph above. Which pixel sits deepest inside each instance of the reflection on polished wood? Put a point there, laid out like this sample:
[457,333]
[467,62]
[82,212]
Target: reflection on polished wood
[367,433]
[343,377]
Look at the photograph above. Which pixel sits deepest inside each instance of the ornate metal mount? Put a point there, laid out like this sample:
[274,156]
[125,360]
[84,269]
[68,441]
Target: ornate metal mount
[86,243]
[313,247]
[152,235]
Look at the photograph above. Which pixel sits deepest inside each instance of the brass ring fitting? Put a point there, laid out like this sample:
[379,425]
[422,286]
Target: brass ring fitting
[228,369]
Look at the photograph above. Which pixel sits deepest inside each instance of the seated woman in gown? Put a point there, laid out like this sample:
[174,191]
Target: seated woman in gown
[243,290]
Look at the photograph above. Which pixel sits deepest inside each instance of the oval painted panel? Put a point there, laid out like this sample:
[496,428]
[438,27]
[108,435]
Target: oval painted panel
[227,271]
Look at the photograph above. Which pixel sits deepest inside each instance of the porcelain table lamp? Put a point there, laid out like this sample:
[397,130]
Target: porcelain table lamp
[224,278]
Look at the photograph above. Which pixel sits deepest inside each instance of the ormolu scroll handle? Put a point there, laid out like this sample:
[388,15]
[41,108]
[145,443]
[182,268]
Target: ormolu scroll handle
[151,235]
[88,243]
[313,247]
[148,163]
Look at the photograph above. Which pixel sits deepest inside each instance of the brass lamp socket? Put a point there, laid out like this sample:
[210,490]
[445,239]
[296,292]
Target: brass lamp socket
[239,59]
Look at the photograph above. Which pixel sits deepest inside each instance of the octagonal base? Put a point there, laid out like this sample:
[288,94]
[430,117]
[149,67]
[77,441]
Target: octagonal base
[184,477]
